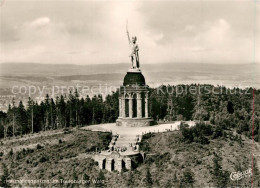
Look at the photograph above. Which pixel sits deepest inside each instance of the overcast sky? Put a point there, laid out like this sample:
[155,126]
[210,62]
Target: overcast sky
[87,32]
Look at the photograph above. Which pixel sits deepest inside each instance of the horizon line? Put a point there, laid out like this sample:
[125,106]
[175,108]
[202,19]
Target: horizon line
[124,63]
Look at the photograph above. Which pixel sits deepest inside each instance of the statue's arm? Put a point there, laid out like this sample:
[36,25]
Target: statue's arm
[128,37]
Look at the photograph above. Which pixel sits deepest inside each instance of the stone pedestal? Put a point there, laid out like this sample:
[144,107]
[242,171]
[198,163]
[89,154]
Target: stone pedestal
[135,122]
[134,94]
[136,70]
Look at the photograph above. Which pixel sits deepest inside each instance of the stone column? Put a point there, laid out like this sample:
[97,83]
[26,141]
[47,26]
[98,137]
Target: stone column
[120,107]
[100,163]
[128,163]
[146,105]
[139,105]
[118,165]
[109,164]
[131,107]
[123,107]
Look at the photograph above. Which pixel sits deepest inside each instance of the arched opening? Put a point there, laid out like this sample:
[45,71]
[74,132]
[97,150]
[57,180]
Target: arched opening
[112,165]
[134,105]
[126,105]
[104,164]
[143,104]
[123,164]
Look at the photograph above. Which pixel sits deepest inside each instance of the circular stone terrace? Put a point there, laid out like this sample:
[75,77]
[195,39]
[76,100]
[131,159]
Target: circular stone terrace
[129,135]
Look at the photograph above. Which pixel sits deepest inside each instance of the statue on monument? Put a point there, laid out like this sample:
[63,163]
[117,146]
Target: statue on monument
[134,50]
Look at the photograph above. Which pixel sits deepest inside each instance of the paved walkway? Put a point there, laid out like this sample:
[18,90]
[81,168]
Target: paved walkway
[128,135]
[111,127]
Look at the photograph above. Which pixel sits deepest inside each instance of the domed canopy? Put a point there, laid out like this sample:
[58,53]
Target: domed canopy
[134,78]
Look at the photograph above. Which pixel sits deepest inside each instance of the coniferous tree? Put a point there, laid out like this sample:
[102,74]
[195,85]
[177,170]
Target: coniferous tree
[86,178]
[224,110]
[130,179]
[87,111]
[38,117]
[47,110]
[148,178]
[101,179]
[22,121]
[4,125]
[81,114]
[187,179]
[30,113]
[53,114]
[13,112]
[220,177]
[5,177]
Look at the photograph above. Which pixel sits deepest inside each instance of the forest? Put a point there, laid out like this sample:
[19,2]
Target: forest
[226,108]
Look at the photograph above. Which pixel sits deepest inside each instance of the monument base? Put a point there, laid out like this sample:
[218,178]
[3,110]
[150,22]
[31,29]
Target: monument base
[135,70]
[135,122]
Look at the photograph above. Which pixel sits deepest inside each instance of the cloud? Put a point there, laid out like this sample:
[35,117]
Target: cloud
[40,22]
[85,32]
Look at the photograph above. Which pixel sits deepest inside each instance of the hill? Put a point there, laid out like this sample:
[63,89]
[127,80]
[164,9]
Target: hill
[63,155]
[170,161]
[175,163]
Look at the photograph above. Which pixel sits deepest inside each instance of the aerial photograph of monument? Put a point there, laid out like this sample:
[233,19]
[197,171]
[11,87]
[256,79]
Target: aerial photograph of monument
[130,93]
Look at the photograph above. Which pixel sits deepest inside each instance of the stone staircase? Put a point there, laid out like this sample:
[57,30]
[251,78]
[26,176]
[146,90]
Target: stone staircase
[125,144]
[118,155]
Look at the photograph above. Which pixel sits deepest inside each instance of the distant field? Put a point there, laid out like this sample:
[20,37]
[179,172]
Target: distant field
[51,77]
[156,74]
